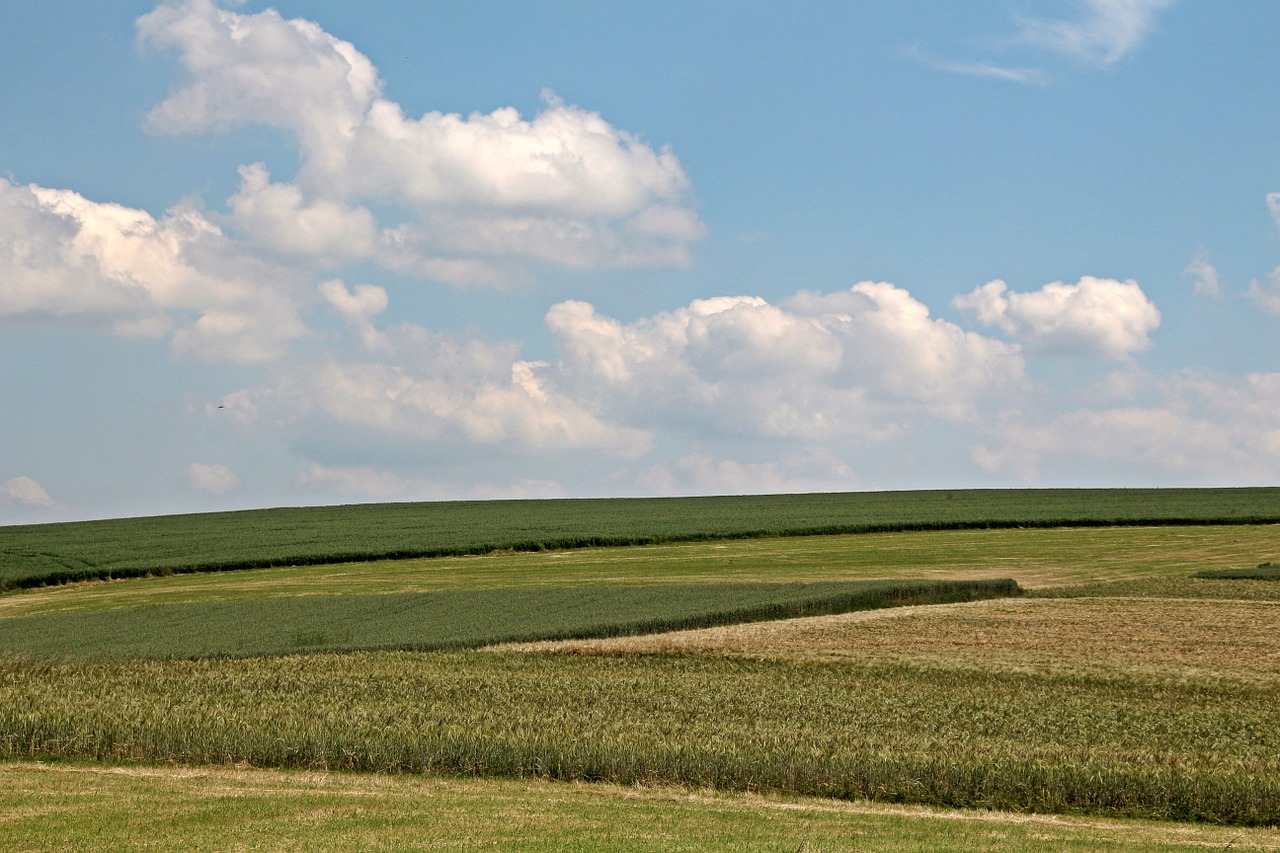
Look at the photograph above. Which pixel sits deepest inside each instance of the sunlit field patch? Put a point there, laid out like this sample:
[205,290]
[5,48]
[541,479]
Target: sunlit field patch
[1183,639]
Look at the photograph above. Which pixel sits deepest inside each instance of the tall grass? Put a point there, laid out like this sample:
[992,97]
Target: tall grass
[42,554]
[1155,749]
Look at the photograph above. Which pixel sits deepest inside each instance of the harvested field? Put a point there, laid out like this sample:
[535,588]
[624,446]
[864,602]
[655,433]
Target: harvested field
[1182,639]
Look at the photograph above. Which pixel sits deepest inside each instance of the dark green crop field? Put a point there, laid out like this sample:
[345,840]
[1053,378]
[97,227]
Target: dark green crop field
[34,555]
[452,618]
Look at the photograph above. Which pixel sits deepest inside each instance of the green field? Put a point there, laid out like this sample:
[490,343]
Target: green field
[56,553]
[1122,685]
[450,619]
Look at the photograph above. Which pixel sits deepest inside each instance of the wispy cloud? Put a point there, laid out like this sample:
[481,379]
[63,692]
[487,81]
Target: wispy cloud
[1204,276]
[1106,32]
[1102,34]
[981,69]
[211,479]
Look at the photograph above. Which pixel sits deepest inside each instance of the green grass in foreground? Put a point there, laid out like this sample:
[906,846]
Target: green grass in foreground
[451,619]
[62,808]
[1151,748]
[33,555]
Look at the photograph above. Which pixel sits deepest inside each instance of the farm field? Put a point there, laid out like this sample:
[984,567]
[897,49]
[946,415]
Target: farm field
[68,808]
[1038,559]
[449,619]
[1119,686]
[34,555]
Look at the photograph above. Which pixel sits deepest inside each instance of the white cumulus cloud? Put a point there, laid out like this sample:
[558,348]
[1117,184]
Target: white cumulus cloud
[278,217]
[439,388]
[852,363]
[64,256]
[482,194]
[1097,316]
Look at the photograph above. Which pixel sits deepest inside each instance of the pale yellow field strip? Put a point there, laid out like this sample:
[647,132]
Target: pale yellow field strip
[1167,638]
[57,807]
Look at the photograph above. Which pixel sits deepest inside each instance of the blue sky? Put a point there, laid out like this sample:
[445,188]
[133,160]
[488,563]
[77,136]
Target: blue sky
[304,253]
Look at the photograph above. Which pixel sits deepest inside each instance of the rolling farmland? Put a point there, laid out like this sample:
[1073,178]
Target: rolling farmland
[57,553]
[1121,684]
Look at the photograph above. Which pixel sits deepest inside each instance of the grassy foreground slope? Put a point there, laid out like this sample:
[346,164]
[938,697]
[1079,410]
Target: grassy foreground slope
[68,808]
[33,555]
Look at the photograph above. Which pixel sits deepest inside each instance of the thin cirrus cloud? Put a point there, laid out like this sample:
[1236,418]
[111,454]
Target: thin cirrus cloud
[481,196]
[1106,32]
[1103,33]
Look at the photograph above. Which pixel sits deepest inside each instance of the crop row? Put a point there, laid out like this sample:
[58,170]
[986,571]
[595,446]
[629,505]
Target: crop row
[1114,746]
[452,619]
[35,555]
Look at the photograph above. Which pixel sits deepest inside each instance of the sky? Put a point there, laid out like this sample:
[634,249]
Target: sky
[319,252]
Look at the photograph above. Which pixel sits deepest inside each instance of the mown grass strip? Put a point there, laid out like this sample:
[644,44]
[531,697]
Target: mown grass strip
[452,619]
[33,555]
[77,807]
[1122,747]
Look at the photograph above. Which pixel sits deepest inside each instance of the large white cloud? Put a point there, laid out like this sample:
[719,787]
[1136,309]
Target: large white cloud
[64,256]
[1096,316]
[484,193]
[852,363]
